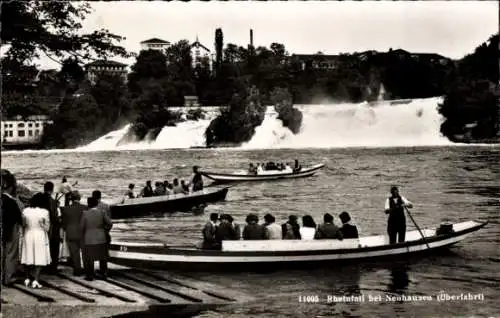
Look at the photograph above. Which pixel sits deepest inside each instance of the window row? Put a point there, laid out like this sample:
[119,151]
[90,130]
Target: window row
[21,125]
[21,133]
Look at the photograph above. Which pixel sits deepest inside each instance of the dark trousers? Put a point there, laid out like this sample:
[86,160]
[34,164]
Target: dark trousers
[74,254]
[54,246]
[90,255]
[88,265]
[10,256]
[396,227]
[67,198]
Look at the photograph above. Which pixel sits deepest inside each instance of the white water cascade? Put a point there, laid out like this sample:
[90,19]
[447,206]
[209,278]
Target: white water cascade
[380,124]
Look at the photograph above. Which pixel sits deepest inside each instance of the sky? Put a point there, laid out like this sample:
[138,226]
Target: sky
[449,28]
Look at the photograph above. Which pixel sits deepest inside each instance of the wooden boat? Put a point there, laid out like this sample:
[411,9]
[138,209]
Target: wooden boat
[131,208]
[266,175]
[242,255]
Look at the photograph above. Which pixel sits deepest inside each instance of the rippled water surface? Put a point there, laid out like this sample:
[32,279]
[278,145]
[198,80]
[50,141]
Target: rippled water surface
[445,184]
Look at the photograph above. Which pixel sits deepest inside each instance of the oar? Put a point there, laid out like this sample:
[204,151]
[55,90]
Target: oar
[416,225]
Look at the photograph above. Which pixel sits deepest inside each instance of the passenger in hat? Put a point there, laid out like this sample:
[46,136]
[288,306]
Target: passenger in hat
[236,226]
[225,231]
[253,230]
[348,230]
[291,229]
[71,218]
[273,230]
[208,232]
[328,230]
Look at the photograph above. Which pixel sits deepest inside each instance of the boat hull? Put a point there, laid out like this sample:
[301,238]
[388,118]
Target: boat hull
[155,256]
[223,177]
[166,204]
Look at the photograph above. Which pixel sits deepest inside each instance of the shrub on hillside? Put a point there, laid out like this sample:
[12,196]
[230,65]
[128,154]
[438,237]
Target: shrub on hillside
[195,114]
[290,116]
[152,122]
[237,122]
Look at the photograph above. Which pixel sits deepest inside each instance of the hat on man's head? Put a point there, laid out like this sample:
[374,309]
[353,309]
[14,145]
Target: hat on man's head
[344,217]
[75,195]
[8,179]
[252,218]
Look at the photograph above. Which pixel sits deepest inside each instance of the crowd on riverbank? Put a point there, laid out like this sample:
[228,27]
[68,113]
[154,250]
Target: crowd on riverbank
[37,235]
[222,228]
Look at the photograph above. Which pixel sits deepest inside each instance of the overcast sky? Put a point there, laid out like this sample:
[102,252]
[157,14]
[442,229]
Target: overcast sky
[451,28]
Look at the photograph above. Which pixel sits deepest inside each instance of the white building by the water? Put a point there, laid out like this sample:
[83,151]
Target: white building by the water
[23,131]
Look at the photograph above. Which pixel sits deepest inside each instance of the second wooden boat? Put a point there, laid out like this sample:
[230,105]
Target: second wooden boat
[140,207]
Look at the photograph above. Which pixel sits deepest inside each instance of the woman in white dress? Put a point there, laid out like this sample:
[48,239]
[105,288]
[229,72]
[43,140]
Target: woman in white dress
[308,228]
[35,252]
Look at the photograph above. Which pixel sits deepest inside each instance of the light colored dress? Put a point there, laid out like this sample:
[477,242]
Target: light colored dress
[35,243]
[307,233]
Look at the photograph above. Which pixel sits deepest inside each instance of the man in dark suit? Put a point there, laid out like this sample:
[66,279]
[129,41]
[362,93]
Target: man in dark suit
[208,232]
[52,206]
[11,222]
[71,217]
[226,231]
[348,230]
[105,208]
[328,230]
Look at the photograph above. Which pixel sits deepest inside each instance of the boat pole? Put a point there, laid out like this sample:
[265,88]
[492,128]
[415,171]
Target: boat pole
[416,225]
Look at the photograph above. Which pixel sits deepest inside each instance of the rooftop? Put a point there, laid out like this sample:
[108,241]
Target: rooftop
[198,44]
[155,40]
[106,63]
[316,56]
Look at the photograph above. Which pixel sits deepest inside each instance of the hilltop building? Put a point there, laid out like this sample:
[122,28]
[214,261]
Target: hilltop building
[199,52]
[155,44]
[315,61]
[99,67]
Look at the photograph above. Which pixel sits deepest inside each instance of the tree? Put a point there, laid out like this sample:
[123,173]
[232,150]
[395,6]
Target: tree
[149,64]
[219,45]
[180,61]
[283,104]
[470,98]
[53,28]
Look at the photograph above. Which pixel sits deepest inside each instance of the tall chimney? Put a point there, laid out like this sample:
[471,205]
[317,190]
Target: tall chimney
[251,37]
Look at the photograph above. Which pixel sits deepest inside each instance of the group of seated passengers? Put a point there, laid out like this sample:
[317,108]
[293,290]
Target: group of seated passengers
[161,188]
[271,166]
[214,233]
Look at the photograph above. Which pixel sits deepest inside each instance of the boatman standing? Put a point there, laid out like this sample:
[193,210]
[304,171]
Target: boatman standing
[197,180]
[395,207]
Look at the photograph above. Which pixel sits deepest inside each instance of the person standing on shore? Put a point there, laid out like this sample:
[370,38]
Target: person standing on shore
[35,251]
[65,190]
[96,194]
[71,218]
[11,224]
[94,225]
[395,207]
[52,205]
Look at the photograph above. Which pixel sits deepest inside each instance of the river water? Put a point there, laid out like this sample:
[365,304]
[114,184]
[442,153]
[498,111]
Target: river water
[444,183]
